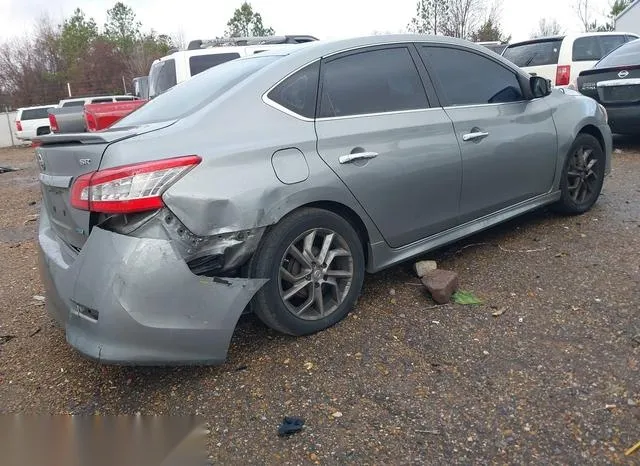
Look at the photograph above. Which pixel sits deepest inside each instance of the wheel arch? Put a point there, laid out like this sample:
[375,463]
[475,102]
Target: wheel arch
[595,132]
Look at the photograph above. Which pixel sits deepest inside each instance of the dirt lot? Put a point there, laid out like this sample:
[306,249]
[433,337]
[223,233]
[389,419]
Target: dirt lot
[555,379]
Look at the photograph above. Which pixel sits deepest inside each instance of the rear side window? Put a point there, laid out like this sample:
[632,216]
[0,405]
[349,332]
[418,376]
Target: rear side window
[299,91]
[162,77]
[376,81]
[593,48]
[623,56]
[490,82]
[192,95]
[74,103]
[102,100]
[123,99]
[200,63]
[35,114]
[538,53]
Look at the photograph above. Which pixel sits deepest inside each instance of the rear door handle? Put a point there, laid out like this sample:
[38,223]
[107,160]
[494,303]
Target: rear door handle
[357,156]
[475,135]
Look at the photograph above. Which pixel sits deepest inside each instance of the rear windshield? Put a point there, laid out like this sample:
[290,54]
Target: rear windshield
[199,63]
[74,103]
[593,48]
[538,53]
[162,77]
[628,54]
[35,114]
[191,95]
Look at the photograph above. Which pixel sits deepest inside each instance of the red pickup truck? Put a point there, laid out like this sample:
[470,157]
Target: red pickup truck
[101,116]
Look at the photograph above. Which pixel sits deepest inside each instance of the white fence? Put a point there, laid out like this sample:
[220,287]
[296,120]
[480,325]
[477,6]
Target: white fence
[8,129]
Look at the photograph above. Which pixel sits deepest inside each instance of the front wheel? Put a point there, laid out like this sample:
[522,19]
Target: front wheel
[314,261]
[582,176]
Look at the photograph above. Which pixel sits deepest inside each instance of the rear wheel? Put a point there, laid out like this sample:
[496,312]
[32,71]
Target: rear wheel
[315,265]
[582,176]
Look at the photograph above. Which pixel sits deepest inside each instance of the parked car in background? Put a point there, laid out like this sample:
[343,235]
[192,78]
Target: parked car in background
[32,122]
[562,58]
[200,55]
[141,87]
[156,234]
[495,46]
[615,82]
[69,116]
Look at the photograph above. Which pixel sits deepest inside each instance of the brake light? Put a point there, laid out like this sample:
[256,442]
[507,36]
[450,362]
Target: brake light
[129,188]
[18,125]
[563,75]
[53,124]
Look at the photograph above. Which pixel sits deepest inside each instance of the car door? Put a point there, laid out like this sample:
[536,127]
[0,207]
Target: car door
[508,143]
[397,154]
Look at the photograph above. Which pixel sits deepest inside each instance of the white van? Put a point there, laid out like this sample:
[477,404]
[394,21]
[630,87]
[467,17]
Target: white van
[562,58]
[181,65]
[32,122]
[102,99]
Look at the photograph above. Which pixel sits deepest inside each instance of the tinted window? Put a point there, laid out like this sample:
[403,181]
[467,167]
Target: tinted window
[200,63]
[371,82]
[103,100]
[162,77]
[35,113]
[123,99]
[628,54]
[595,47]
[298,92]
[489,82]
[543,52]
[74,103]
[197,92]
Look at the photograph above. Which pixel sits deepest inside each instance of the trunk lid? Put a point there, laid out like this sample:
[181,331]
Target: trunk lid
[61,159]
[610,86]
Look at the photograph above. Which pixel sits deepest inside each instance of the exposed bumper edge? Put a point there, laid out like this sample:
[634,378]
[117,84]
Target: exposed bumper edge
[151,309]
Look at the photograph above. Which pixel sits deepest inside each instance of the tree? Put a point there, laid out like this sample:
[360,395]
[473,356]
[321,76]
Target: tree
[247,23]
[489,31]
[122,28]
[465,16]
[548,27]
[432,17]
[76,36]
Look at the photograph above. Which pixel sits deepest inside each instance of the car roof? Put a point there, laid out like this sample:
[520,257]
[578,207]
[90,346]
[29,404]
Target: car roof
[571,36]
[35,107]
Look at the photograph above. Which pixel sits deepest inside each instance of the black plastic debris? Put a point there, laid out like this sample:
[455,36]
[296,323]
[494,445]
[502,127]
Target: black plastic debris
[7,169]
[290,425]
[6,338]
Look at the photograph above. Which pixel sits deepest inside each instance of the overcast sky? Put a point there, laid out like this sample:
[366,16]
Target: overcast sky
[325,19]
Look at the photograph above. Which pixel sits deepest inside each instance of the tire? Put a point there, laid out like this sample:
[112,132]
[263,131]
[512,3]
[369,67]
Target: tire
[288,269]
[582,176]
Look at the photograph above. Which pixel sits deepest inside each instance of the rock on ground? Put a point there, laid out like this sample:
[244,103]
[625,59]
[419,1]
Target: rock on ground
[422,267]
[441,284]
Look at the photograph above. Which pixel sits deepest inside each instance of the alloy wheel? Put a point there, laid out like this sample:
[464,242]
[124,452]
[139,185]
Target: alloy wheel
[582,179]
[316,273]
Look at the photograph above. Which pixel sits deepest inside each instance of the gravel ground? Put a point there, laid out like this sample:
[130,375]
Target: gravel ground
[554,379]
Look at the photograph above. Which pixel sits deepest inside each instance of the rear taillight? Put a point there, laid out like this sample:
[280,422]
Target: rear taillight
[129,188]
[18,125]
[563,75]
[53,124]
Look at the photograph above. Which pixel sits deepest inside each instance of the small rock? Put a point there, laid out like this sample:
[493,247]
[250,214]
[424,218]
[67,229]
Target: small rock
[32,202]
[630,402]
[39,298]
[308,365]
[392,292]
[617,151]
[421,268]
[313,457]
[337,414]
[441,284]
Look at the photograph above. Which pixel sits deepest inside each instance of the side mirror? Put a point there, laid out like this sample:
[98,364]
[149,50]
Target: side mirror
[540,87]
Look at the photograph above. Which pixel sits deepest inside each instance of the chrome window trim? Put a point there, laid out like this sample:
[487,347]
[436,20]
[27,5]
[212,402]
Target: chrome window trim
[619,82]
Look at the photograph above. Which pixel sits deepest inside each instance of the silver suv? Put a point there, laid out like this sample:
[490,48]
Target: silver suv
[278,179]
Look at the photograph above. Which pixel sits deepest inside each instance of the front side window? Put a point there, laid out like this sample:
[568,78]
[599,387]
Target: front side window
[298,92]
[200,63]
[376,81]
[467,78]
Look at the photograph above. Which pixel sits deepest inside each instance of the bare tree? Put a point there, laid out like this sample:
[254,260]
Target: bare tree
[583,10]
[548,27]
[465,16]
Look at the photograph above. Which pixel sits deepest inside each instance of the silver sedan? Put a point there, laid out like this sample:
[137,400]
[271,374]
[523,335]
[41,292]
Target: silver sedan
[272,183]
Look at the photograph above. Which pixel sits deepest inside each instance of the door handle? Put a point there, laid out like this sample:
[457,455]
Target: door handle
[475,135]
[357,156]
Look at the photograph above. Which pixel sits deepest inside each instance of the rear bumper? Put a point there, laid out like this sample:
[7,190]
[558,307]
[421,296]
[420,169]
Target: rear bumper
[624,119]
[126,300]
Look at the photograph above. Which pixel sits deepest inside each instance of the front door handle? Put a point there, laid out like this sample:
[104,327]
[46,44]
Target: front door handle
[474,135]
[357,156]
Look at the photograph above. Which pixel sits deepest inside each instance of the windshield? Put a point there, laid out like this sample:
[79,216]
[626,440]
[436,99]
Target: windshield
[193,94]
[625,55]
[538,53]
[162,77]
